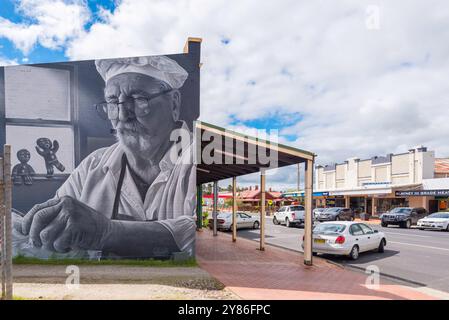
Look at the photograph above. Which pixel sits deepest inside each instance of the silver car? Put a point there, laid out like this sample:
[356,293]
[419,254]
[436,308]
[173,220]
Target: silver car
[317,212]
[244,220]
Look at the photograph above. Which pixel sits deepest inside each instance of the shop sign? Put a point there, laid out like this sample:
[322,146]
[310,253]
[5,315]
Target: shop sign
[423,193]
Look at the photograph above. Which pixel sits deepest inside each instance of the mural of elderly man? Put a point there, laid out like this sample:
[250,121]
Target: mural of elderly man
[136,198]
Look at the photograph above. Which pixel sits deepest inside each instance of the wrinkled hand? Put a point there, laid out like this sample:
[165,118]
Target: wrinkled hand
[66,224]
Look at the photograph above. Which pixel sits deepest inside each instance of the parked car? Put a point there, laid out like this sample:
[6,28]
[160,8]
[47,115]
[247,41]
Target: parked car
[346,238]
[317,212]
[404,217]
[244,220]
[437,221]
[289,215]
[336,214]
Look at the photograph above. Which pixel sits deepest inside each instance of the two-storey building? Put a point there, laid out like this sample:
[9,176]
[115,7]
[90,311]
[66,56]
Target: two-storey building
[380,183]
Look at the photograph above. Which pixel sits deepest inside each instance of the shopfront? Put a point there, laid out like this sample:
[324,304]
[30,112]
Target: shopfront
[432,200]
[386,204]
[335,201]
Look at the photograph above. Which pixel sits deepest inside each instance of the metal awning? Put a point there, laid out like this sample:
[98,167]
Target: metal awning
[234,163]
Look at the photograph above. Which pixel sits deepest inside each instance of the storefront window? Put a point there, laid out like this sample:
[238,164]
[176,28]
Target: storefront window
[357,203]
[384,205]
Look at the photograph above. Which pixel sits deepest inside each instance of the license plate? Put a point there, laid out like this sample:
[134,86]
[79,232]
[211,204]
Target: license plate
[321,241]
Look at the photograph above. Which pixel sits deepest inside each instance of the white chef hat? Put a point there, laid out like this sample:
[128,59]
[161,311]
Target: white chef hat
[158,67]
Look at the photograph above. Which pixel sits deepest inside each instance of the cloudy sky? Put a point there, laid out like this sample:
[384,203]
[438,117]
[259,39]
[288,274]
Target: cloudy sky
[340,78]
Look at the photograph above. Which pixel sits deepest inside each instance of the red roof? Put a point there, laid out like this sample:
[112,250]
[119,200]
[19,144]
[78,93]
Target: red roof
[442,165]
[255,195]
[248,194]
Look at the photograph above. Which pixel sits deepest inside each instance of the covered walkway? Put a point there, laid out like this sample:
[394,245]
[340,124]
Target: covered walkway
[223,154]
[279,274]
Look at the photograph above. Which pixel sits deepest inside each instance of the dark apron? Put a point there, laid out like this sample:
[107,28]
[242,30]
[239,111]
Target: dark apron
[118,191]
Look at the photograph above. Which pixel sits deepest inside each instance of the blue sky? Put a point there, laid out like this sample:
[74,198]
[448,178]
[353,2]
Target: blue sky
[40,54]
[342,79]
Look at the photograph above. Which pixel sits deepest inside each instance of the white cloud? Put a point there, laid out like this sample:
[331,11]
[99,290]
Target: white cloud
[51,23]
[7,62]
[362,92]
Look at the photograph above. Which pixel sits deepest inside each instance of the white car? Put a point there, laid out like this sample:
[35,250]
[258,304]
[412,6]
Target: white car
[347,238]
[317,212]
[437,221]
[289,215]
[244,220]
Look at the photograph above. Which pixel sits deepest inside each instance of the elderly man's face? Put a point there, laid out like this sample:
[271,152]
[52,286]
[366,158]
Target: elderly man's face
[149,132]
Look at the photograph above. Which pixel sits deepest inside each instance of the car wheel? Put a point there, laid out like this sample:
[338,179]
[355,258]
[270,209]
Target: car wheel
[408,224]
[447,228]
[381,248]
[256,225]
[337,218]
[383,224]
[354,254]
[314,254]
[287,223]
[275,221]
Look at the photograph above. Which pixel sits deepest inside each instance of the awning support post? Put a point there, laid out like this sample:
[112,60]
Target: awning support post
[234,209]
[215,209]
[262,210]
[308,217]
[6,217]
[199,206]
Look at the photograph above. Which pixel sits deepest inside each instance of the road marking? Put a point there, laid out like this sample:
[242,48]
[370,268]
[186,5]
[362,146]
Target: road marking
[419,245]
[406,234]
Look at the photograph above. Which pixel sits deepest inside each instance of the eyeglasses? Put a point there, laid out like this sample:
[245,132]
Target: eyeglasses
[142,106]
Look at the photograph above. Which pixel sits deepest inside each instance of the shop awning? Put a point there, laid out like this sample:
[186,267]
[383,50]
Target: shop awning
[245,158]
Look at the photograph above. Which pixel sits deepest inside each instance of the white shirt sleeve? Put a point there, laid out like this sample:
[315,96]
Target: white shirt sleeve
[183,230]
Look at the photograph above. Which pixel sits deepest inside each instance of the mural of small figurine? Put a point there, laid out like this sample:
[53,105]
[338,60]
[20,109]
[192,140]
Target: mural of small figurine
[23,172]
[47,150]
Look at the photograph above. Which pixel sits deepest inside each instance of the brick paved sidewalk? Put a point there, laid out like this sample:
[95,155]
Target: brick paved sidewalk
[280,274]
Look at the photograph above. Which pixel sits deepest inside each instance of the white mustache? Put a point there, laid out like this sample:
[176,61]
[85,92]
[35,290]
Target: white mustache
[131,127]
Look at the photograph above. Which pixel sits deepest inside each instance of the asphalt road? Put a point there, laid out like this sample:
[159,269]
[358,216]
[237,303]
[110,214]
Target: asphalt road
[418,257]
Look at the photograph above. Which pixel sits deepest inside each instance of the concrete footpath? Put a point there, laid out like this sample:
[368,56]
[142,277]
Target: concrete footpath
[280,274]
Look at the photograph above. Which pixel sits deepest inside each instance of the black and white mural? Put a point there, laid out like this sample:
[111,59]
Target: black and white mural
[103,157]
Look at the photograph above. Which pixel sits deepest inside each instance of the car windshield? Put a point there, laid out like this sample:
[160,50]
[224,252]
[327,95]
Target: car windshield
[443,215]
[401,210]
[296,208]
[332,209]
[329,228]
